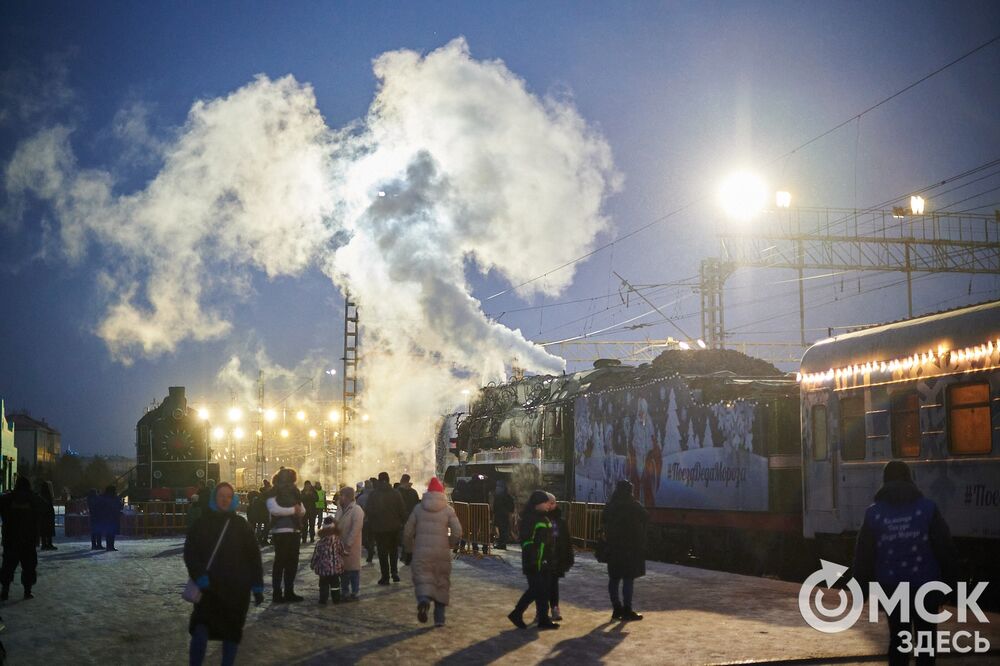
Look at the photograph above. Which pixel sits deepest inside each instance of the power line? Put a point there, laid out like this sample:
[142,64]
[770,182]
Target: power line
[785,155]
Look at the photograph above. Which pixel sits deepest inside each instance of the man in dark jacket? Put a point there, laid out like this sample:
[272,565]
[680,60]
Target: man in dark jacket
[20,511]
[94,515]
[625,530]
[904,539]
[409,495]
[386,515]
[503,509]
[110,506]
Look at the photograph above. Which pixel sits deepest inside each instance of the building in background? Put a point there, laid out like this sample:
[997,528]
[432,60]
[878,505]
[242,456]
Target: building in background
[8,452]
[37,442]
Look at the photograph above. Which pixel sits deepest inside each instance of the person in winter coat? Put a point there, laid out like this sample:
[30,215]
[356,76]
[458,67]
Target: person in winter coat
[328,561]
[20,510]
[536,560]
[386,515]
[409,495]
[625,529]
[47,526]
[110,513]
[285,507]
[431,531]
[350,522]
[320,504]
[226,586]
[503,509]
[905,539]
[564,557]
[309,503]
[94,515]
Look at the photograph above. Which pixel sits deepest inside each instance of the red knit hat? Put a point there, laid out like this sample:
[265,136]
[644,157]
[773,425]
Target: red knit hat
[435,486]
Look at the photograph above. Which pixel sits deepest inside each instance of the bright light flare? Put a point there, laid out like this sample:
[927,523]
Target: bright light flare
[701,344]
[312,434]
[284,433]
[300,415]
[365,417]
[235,414]
[783,199]
[202,414]
[238,433]
[742,195]
[917,205]
[334,416]
[270,415]
[218,433]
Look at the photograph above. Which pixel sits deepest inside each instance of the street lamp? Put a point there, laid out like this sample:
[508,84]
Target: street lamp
[300,415]
[202,414]
[270,415]
[235,414]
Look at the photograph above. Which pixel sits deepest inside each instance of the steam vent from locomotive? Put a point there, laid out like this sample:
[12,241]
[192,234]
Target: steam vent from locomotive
[172,451]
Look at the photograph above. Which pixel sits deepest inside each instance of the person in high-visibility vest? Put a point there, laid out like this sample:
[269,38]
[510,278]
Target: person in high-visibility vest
[320,504]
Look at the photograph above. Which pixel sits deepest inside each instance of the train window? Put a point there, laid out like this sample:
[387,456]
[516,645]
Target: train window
[969,426]
[819,436]
[906,425]
[852,428]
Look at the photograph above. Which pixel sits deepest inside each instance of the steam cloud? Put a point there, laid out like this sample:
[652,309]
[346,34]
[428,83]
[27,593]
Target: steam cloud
[456,164]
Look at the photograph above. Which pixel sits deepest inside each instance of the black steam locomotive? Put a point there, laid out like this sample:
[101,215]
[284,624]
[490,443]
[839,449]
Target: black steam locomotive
[172,451]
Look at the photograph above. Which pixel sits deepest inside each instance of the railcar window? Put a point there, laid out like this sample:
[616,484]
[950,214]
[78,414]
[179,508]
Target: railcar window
[852,428]
[969,426]
[906,425]
[819,437]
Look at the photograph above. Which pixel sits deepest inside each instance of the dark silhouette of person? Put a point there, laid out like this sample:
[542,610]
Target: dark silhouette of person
[110,509]
[20,510]
[625,527]
[905,539]
[94,514]
[47,521]
[386,517]
[503,509]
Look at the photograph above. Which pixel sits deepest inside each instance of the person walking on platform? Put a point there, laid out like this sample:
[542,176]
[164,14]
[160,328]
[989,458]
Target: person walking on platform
[427,538]
[536,561]
[409,495]
[309,502]
[328,561]
[625,529]
[905,540]
[285,507]
[235,573]
[503,509]
[386,516]
[94,515]
[564,557]
[47,526]
[20,510]
[350,522]
[110,510]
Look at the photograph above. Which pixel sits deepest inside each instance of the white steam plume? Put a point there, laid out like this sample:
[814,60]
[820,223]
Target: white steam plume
[473,170]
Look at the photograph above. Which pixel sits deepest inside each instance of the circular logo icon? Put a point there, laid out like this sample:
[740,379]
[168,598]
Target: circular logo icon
[815,612]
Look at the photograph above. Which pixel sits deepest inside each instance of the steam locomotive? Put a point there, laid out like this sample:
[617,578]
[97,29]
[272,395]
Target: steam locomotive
[744,468]
[172,451]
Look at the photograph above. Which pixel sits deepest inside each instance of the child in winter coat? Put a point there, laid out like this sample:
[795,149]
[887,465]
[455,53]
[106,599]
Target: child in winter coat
[328,561]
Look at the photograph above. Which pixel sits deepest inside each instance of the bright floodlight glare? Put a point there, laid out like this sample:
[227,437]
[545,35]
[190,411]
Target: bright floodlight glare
[235,413]
[683,345]
[917,205]
[202,414]
[238,433]
[783,199]
[284,432]
[270,415]
[218,433]
[334,416]
[466,391]
[364,417]
[300,415]
[331,372]
[742,195]
[312,434]
[701,343]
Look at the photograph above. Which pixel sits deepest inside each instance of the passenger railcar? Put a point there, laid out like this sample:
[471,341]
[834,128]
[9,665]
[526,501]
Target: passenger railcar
[926,391]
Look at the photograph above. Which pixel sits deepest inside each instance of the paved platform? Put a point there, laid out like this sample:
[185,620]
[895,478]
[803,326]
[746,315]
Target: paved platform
[125,608]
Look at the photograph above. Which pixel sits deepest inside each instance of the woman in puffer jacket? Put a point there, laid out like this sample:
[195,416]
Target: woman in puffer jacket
[431,531]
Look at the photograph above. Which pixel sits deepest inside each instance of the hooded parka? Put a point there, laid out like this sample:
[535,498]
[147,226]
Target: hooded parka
[426,537]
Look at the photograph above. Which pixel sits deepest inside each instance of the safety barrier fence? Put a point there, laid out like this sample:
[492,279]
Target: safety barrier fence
[138,519]
[583,519]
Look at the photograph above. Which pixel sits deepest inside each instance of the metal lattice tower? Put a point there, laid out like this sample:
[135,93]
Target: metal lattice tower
[713,275]
[350,393]
[261,458]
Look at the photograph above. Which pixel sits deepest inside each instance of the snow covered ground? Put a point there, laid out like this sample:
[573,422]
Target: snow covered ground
[125,608]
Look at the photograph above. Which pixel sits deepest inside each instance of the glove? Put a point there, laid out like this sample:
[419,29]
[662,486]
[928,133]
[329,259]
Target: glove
[202,582]
[258,596]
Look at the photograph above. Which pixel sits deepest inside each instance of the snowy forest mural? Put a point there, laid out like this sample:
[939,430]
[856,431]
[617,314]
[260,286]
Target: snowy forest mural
[676,451]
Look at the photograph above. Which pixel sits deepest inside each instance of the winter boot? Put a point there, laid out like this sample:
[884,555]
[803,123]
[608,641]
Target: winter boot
[629,615]
[290,595]
[515,617]
[27,593]
[278,597]
[335,596]
[617,613]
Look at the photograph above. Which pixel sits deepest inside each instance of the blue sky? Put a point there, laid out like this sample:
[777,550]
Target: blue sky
[681,92]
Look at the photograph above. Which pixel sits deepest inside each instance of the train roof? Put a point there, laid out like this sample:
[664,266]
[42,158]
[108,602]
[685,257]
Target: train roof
[965,327]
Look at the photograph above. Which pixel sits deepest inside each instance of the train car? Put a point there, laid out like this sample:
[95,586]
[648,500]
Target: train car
[709,439]
[926,391]
[172,451]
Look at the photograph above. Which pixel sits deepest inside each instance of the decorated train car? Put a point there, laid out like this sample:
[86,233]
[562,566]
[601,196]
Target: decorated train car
[925,391]
[172,451]
[709,440]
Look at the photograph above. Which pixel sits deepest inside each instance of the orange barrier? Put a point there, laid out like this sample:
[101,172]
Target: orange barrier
[584,520]
[477,526]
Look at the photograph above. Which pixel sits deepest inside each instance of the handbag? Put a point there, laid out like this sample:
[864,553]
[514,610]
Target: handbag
[192,593]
